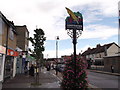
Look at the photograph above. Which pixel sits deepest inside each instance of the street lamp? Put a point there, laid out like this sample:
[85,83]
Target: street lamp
[57,38]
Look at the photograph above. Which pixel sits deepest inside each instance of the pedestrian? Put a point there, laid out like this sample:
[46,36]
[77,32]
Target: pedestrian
[48,67]
[112,69]
[52,66]
[25,70]
[31,71]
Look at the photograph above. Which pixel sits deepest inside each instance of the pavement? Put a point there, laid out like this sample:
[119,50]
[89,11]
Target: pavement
[109,73]
[21,81]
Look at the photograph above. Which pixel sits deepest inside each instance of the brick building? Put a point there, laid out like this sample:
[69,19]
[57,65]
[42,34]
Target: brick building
[112,61]
[8,37]
[22,43]
[22,36]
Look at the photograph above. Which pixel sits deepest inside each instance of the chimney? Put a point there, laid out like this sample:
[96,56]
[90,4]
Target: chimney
[89,48]
[98,45]
[105,47]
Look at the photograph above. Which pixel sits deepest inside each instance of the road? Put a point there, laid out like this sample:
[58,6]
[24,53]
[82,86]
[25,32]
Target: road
[103,80]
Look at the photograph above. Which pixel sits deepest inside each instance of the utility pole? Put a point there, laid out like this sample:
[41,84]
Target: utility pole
[57,38]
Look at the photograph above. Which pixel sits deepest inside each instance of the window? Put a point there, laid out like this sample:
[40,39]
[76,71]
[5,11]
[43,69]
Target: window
[26,34]
[0,26]
[1,29]
[11,34]
[26,48]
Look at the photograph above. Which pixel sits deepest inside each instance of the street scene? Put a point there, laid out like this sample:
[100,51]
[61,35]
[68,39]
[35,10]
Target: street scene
[63,44]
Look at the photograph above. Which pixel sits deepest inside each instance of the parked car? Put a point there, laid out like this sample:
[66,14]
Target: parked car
[60,68]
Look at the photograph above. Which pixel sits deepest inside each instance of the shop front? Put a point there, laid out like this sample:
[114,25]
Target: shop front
[10,64]
[2,59]
[19,63]
[22,63]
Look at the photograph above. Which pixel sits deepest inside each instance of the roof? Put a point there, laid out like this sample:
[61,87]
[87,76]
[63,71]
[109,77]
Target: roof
[87,52]
[9,23]
[24,26]
[98,49]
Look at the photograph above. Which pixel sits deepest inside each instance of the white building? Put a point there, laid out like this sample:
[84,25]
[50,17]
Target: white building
[99,51]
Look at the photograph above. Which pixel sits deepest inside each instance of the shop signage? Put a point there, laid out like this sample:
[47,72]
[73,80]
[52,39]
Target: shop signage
[2,49]
[12,52]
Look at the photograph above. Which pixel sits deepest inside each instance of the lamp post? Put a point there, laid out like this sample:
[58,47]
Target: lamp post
[57,38]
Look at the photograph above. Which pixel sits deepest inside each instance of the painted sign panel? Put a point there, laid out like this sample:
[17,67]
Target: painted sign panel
[72,24]
[2,49]
[74,21]
[12,53]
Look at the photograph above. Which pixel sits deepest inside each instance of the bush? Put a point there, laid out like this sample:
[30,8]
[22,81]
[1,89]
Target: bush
[73,80]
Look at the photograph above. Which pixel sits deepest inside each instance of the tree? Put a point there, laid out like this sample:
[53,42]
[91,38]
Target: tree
[38,42]
[70,81]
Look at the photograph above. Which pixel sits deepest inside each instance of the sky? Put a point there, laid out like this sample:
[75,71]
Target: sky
[100,22]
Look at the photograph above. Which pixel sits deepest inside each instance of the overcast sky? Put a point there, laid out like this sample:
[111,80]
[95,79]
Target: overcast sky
[100,18]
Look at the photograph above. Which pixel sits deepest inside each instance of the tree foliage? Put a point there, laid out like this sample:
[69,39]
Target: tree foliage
[38,42]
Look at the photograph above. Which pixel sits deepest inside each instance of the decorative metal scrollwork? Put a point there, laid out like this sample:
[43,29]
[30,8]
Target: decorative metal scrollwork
[70,33]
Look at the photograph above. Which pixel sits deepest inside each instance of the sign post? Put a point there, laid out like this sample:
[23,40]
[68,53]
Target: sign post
[74,27]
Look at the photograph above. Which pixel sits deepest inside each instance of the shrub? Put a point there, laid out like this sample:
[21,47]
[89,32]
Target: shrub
[72,80]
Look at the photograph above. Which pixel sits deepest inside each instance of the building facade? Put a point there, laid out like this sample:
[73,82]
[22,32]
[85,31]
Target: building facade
[22,43]
[112,61]
[110,49]
[22,37]
[96,56]
[8,55]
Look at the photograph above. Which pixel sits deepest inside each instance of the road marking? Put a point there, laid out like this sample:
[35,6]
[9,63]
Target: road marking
[94,87]
[57,77]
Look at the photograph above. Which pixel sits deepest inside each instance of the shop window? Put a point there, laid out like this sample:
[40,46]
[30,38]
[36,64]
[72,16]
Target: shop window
[1,60]
[8,66]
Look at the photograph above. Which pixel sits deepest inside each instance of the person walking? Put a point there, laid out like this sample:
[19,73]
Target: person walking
[48,67]
[31,71]
[112,69]
[26,70]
